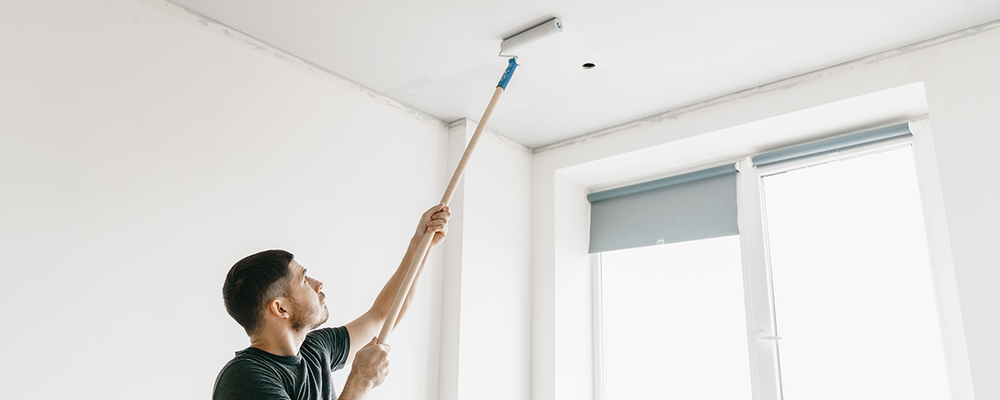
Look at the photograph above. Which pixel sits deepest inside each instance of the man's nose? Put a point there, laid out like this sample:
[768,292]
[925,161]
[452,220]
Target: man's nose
[318,285]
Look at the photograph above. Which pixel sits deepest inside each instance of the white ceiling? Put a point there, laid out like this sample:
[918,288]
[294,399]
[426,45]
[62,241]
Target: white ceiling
[652,56]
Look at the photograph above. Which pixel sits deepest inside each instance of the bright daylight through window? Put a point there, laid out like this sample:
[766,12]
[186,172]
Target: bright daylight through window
[674,321]
[853,296]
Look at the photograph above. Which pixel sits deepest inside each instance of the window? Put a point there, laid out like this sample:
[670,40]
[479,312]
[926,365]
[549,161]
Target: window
[825,293]
[851,280]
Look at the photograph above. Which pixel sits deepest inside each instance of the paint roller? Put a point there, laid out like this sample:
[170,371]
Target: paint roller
[529,36]
[508,48]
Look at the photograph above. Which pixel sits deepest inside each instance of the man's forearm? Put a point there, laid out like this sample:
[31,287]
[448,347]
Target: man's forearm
[355,389]
[410,293]
[433,226]
[385,298]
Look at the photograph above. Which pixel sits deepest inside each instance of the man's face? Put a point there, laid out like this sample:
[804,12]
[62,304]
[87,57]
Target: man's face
[308,300]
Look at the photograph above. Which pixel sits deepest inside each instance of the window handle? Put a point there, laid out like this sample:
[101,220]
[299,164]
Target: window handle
[762,339]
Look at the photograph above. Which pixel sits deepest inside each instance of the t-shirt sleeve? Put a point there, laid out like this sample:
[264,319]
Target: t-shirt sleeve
[336,342]
[248,381]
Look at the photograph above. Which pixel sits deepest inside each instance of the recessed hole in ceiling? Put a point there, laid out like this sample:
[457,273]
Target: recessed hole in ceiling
[589,66]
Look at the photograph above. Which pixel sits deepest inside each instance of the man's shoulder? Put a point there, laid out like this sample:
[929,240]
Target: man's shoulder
[328,338]
[327,333]
[327,347]
[249,376]
[245,361]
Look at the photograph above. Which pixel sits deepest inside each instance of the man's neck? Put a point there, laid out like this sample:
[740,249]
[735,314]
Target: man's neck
[280,342]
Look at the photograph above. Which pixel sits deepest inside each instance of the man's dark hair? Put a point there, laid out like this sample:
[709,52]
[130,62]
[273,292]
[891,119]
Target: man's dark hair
[253,282]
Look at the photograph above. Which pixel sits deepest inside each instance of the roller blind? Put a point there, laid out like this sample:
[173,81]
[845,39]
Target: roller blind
[698,205]
[833,145]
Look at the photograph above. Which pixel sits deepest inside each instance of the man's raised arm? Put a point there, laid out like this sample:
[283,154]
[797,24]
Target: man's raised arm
[433,222]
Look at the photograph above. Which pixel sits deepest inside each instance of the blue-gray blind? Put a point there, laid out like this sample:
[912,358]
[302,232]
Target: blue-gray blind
[833,145]
[698,205]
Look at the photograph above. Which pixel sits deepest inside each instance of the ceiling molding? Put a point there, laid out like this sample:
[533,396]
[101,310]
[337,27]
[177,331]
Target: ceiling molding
[503,140]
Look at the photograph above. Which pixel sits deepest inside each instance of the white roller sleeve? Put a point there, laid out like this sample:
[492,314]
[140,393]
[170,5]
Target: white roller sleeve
[510,45]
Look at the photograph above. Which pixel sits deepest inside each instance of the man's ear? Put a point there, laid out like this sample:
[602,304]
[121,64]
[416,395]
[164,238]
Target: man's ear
[278,307]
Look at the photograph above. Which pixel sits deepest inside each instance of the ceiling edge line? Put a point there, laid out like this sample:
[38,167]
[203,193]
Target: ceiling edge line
[261,47]
[496,136]
[766,88]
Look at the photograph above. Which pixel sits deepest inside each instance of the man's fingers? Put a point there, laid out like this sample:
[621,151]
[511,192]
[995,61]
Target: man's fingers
[440,216]
[437,221]
[439,211]
[437,229]
[437,208]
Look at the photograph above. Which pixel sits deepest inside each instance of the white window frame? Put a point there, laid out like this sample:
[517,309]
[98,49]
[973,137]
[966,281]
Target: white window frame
[759,291]
[598,298]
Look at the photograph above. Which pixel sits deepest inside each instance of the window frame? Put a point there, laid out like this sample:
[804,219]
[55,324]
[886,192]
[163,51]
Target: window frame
[766,364]
[758,289]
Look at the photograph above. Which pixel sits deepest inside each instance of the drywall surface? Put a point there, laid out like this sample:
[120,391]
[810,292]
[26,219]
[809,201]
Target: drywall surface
[650,55]
[573,293]
[140,157]
[963,94]
[962,100]
[487,308]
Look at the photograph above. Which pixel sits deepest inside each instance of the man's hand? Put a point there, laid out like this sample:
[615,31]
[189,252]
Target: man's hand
[371,365]
[434,221]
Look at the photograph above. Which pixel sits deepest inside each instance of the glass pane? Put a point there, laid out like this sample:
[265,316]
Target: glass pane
[674,322]
[853,297]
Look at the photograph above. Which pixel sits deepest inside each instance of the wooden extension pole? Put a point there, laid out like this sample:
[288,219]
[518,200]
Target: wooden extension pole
[425,243]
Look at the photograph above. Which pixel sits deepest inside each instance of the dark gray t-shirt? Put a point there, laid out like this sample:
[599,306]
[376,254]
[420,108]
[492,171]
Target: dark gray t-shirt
[257,374]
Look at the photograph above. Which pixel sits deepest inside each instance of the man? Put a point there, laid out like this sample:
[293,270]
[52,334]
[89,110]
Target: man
[279,305]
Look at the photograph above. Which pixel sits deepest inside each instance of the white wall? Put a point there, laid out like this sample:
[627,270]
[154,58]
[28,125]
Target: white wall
[141,156]
[963,96]
[487,304]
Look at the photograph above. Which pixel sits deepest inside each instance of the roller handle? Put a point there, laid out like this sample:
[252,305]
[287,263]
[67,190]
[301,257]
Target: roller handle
[425,242]
[508,73]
